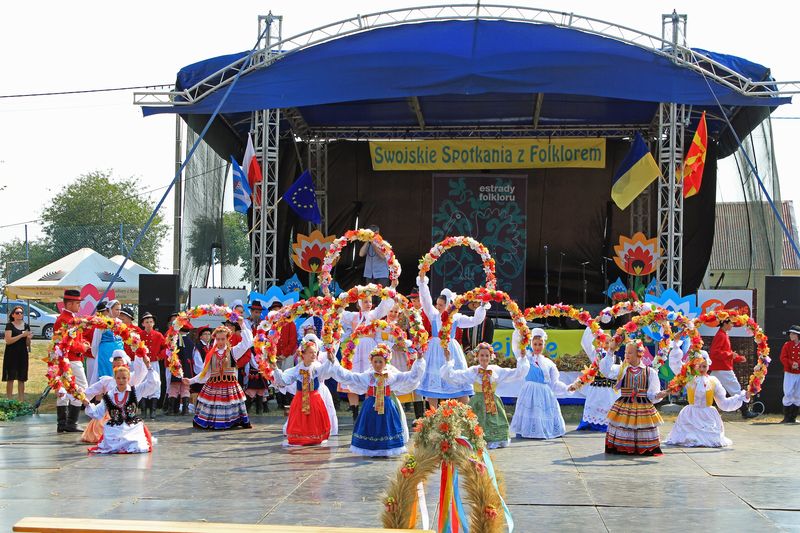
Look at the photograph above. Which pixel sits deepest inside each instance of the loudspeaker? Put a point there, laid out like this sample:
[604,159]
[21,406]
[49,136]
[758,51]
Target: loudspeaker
[158,294]
[781,310]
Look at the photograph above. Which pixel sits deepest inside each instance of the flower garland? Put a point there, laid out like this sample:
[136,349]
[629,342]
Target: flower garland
[59,375]
[648,314]
[366,235]
[332,329]
[369,329]
[712,319]
[577,314]
[449,438]
[485,295]
[441,247]
[184,320]
[268,332]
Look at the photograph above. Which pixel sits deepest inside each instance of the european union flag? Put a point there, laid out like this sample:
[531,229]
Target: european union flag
[242,194]
[302,198]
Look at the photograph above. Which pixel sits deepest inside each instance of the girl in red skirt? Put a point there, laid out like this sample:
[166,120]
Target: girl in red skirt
[308,422]
[221,403]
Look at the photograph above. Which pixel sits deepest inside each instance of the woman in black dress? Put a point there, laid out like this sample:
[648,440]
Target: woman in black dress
[15,359]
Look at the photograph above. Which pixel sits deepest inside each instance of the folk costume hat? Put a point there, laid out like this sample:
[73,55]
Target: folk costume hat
[256,305]
[120,354]
[538,332]
[72,295]
[148,314]
[794,329]
[127,311]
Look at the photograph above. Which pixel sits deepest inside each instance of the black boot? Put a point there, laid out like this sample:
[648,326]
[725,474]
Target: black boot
[265,402]
[793,413]
[184,406]
[354,409]
[152,406]
[419,409]
[170,402]
[279,397]
[787,414]
[176,404]
[61,418]
[248,403]
[257,401]
[72,419]
[746,412]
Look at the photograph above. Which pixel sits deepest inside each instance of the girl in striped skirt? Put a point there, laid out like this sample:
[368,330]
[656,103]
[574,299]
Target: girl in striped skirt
[633,420]
[221,402]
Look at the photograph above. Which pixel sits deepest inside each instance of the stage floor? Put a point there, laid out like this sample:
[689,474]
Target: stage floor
[246,476]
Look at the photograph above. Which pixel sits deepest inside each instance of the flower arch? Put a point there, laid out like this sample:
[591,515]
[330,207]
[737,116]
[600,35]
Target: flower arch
[366,235]
[438,249]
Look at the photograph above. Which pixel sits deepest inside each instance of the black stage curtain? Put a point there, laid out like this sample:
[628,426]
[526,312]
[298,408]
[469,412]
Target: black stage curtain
[569,210]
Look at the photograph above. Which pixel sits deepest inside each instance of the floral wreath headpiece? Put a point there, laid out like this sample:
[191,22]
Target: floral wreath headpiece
[381,350]
[486,346]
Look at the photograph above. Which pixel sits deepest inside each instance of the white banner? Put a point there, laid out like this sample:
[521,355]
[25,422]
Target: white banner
[740,300]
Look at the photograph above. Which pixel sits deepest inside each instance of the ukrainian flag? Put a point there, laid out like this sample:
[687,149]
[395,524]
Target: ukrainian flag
[637,171]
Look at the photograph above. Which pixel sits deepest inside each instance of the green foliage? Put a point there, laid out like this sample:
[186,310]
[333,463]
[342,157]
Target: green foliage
[90,212]
[12,258]
[10,409]
[230,236]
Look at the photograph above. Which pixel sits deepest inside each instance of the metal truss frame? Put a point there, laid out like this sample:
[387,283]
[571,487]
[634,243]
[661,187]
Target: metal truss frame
[318,166]
[266,141]
[268,54]
[672,120]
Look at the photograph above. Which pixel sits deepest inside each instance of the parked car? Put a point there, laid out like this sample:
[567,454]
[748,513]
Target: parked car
[42,318]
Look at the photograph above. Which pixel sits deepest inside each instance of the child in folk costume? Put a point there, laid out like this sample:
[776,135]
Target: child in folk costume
[178,393]
[156,351]
[353,319]
[124,431]
[256,388]
[699,424]
[221,402]
[105,341]
[381,429]
[633,420]
[790,359]
[201,347]
[484,378]
[94,429]
[323,390]
[432,386]
[538,414]
[309,423]
[600,394]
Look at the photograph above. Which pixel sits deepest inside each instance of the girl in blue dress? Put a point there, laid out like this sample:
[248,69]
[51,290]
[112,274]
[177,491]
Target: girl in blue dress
[381,429]
[432,386]
[538,415]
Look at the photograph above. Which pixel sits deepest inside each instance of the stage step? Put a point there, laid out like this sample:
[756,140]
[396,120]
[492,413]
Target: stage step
[82,525]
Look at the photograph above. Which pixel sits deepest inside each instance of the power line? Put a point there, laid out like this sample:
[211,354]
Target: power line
[87,91]
[142,193]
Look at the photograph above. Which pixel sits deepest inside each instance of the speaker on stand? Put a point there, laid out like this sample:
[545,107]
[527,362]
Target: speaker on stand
[781,310]
[158,294]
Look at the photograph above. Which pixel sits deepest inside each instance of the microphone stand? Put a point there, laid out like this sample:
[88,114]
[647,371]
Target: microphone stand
[606,260]
[558,291]
[583,274]
[546,280]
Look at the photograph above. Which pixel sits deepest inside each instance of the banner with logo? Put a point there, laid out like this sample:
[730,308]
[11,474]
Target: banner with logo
[492,209]
[481,154]
[739,300]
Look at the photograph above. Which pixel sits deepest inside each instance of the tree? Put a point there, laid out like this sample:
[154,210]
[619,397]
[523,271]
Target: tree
[12,258]
[105,214]
[230,237]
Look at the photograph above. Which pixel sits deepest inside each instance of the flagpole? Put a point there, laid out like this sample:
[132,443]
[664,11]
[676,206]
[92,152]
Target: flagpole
[249,233]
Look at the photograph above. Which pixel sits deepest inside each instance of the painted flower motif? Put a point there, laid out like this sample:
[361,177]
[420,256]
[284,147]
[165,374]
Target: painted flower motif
[637,255]
[309,250]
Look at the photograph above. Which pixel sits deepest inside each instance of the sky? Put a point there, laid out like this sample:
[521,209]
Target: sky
[50,46]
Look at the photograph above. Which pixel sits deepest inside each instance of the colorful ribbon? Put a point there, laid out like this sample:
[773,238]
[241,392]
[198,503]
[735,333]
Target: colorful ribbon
[380,392]
[488,393]
[487,460]
[306,393]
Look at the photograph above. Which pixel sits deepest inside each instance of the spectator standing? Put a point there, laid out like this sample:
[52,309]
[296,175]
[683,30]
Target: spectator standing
[15,359]
[376,270]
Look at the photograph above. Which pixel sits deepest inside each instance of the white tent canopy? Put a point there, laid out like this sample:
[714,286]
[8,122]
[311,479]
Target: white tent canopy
[78,269]
[131,266]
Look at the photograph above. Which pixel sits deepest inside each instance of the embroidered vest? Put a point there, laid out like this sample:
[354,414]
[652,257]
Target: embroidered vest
[127,413]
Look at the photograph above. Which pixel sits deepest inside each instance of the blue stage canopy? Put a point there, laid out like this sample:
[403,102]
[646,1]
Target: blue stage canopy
[471,72]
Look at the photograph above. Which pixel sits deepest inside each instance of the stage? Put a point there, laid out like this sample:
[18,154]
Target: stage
[565,484]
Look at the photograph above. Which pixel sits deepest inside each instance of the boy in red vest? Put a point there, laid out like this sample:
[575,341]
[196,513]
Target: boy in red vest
[67,407]
[722,360]
[790,359]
